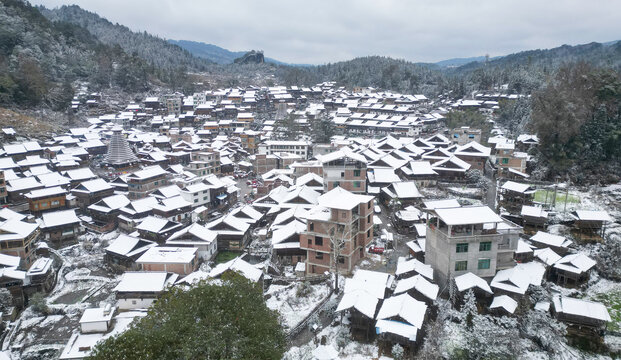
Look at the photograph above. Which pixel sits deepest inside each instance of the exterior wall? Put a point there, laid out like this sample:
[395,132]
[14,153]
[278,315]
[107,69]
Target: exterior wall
[461,136]
[358,233]
[86,199]
[135,303]
[476,162]
[441,253]
[21,248]
[63,233]
[94,327]
[297,149]
[345,178]
[138,189]
[181,269]
[47,203]
[3,192]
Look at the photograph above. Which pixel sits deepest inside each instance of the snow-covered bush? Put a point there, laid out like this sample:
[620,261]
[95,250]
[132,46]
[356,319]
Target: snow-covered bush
[398,352]
[545,331]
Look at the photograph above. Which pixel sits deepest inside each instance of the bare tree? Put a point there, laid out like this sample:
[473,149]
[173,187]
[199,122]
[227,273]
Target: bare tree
[338,236]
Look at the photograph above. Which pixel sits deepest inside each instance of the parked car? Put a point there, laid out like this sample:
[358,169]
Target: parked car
[377,209]
[376,250]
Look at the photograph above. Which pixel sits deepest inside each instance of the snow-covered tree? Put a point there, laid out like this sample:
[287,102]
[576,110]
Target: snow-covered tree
[398,352]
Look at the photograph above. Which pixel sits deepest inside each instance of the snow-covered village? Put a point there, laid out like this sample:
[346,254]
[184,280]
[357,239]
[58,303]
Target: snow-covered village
[394,237]
[298,180]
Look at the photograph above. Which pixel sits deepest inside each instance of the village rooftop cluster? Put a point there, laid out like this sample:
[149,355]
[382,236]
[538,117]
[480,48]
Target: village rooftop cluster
[183,181]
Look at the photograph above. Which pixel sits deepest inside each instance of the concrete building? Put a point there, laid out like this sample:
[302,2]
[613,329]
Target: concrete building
[344,215]
[299,147]
[346,170]
[469,239]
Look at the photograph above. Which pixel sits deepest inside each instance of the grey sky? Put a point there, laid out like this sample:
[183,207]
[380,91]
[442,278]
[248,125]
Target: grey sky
[316,32]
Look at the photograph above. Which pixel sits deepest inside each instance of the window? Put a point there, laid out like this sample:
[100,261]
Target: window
[311,226]
[310,242]
[205,198]
[342,174]
[505,160]
[356,172]
[336,184]
[195,200]
[461,265]
[485,246]
[356,184]
[318,241]
[319,255]
[471,136]
[369,233]
[368,219]
[341,260]
[462,248]
[369,204]
[484,263]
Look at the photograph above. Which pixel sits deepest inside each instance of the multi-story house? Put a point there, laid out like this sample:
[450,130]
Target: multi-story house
[464,135]
[249,140]
[345,217]
[346,170]
[469,239]
[16,238]
[143,182]
[205,163]
[299,147]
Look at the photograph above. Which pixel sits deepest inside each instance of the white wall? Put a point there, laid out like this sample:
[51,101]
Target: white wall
[126,304]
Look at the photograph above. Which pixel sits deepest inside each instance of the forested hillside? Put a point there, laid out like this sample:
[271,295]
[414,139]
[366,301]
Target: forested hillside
[155,51]
[41,59]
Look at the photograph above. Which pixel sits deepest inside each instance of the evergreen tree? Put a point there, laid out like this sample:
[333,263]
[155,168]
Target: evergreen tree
[209,321]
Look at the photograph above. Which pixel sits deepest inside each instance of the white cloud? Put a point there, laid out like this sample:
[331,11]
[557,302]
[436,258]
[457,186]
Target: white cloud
[327,31]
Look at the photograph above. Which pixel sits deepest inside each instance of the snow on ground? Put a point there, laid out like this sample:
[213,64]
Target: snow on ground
[293,309]
[83,281]
[338,337]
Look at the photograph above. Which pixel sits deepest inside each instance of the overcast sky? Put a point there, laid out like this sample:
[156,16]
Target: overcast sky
[317,32]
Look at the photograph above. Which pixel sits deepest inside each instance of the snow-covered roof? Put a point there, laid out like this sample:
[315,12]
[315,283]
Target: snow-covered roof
[517,187]
[441,204]
[240,266]
[589,309]
[129,245]
[407,266]
[405,307]
[591,215]
[519,278]
[547,256]
[145,281]
[168,255]
[420,284]
[468,215]
[339,198]
[58,218]
[469,281]
[550,239]
[505,302]
[533,211]
[575,263]
[360,300]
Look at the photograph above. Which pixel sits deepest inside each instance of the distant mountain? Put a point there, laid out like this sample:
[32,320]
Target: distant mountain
[218,54]
[597,54]
[456,62]
[152,49]
[210,52]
